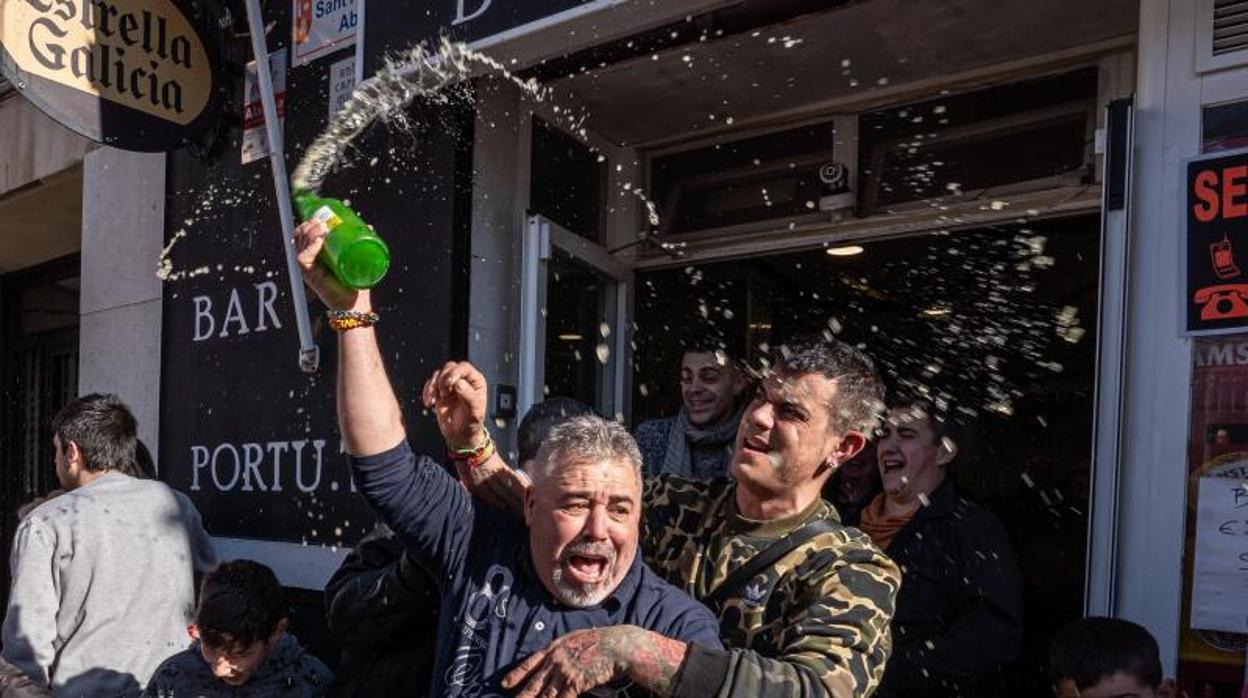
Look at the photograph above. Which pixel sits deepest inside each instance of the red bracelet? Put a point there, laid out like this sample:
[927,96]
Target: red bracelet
[343,320]
[472,457]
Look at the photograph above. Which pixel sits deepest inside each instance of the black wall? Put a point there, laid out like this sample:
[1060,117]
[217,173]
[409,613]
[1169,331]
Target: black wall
[243,393]
[394,25]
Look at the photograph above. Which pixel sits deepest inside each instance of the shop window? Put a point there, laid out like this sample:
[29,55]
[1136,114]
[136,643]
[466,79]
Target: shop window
[773,176]
[567,181]
[1212,642]
[1224,127]
[1211,652]
[962,144]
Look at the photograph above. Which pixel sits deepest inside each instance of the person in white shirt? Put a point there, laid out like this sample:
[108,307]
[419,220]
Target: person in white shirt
[103,575]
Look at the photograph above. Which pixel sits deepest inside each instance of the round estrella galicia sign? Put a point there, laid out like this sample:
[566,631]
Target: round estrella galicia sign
[134,74]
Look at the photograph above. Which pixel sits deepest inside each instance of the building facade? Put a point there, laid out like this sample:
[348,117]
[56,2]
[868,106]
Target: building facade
[989,197]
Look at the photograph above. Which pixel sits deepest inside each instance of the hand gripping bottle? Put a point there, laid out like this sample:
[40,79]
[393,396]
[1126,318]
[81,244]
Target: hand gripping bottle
[356,254]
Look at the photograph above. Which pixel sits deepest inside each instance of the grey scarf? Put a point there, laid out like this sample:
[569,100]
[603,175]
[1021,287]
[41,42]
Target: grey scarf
[685,437]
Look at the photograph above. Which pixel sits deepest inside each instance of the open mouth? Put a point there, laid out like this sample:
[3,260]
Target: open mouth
[893,472]
[587,568]
[892,467]
[754,443]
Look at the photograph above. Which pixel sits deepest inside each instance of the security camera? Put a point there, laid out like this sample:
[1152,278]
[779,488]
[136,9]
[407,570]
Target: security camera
[835,195]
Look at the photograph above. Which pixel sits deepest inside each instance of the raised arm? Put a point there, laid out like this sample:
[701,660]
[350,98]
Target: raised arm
[416,497]
[368,412]
[458,393]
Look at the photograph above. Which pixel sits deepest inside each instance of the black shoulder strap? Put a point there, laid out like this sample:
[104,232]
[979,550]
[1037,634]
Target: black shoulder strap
[738,578]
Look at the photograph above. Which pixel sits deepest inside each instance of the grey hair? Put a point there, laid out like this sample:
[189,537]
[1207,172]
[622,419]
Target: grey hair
[859,399]
[586,438]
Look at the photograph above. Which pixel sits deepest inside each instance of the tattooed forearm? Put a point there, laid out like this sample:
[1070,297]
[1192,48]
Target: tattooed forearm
[584,659]
[651,660]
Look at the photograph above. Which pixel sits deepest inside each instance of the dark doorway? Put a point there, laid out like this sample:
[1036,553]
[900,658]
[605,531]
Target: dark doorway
[40,372]
[996,322]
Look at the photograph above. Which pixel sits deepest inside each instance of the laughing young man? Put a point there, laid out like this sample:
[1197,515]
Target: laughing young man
[697,442]
[959,613]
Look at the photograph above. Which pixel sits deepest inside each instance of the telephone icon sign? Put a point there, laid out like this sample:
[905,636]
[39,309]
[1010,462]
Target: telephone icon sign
[1222,302]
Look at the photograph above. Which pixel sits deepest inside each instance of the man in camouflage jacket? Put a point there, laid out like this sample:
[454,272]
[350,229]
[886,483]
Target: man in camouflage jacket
[814,623]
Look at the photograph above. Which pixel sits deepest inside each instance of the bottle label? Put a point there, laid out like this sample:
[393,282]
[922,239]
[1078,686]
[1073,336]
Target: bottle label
[327,217]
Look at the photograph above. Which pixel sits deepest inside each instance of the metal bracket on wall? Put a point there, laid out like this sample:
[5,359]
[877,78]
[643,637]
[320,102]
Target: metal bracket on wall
[309,353]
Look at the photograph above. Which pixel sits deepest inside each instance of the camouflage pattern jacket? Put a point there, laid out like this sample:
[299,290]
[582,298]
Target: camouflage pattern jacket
[816,623]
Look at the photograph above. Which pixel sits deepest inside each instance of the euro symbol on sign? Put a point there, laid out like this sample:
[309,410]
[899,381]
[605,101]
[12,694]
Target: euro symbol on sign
[1233,528]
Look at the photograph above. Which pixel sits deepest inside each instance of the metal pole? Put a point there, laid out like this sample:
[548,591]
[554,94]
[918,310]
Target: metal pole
[309,354]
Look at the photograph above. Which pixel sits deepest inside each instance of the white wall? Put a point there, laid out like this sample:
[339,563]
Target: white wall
[500,196]
[1154,475]
[33,144]
[500,212]
[123,222]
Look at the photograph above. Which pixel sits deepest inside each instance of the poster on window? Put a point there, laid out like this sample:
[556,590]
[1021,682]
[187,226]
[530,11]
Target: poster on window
[1220,577]
[1217,243]
[255,137]
[341,83]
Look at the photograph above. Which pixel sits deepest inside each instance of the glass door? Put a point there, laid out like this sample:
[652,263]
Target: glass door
[575,314]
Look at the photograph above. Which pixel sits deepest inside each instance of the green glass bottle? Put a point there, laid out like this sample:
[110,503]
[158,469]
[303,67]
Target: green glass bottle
[353,251]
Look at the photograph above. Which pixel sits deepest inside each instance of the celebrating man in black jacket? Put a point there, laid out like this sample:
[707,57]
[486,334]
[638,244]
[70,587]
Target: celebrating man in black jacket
[959,612]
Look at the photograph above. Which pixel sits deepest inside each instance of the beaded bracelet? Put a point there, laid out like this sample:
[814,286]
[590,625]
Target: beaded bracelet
[472,457]
[343,320]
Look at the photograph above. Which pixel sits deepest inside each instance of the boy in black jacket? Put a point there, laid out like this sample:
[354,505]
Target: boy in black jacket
[241,647]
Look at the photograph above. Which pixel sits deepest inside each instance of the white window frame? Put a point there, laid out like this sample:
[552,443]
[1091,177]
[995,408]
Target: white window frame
[1110,402]
[540,239]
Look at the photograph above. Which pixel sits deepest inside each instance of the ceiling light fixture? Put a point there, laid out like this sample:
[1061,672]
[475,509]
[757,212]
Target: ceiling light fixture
[570,337]
[847,251]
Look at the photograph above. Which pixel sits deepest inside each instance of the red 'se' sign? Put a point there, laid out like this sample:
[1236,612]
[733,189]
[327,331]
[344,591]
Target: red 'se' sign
[1221,193]
[1217,242]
